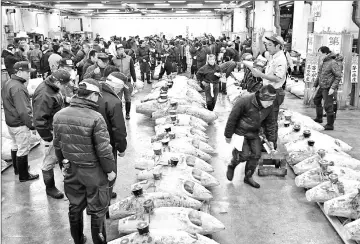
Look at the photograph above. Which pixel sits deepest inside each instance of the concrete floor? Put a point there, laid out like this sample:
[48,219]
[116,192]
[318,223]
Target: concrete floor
[276,213]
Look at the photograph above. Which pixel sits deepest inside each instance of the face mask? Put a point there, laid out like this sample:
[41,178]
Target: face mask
[266,104]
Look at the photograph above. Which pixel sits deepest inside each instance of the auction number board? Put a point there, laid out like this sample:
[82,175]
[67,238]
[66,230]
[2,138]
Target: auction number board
[311,67]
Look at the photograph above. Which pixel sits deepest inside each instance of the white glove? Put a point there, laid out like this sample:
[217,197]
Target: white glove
[111,176]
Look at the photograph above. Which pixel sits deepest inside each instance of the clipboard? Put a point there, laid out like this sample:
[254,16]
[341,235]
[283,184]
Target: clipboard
[237,142]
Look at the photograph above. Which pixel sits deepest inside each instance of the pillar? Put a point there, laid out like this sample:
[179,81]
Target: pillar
[240,23]
[300,27]
[264,18]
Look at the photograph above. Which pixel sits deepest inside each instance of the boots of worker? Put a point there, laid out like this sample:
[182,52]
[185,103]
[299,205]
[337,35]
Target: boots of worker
[148,77]
[330,122]
[13,158]
[249,180]
[223,88]
[49,181]
[230,172]
[319,115]
[152,74]
[127,110]
[77,227]
[209,106]
[98,231]
[24,174]
[143,77]
[335,107]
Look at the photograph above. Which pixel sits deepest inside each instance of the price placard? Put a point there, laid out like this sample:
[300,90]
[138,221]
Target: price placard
[354,69]
[316,8]
[310,43]
[311,68]
[334,42]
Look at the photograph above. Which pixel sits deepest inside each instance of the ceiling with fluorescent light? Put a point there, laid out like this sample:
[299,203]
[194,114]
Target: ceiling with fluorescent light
[98,7]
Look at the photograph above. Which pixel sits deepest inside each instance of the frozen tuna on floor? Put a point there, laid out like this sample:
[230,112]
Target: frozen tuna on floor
[353,230]
[201,113]
[159,129]
[198,144]
[130,204]
[170,218]
[347,206]
[297,118]
[184,120]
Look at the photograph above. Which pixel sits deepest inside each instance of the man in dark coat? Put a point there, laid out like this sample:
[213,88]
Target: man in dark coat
[18,118]
[44,61]
[11,59]
[168,57]
[249,114]
[110,106]
[47,101]
[143,55]
[82,147]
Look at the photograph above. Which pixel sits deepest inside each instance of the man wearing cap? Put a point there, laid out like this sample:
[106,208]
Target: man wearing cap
[275,73]
[126,66]
[168,56]
[110,106]
[55,58]
[18,118]
[249,114]
[66,51]
[96,71]
[44,62]
[47,101]
[82,147]
[143,56]
[11,59]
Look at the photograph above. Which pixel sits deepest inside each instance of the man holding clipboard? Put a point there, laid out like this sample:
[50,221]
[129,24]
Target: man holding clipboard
[249,114]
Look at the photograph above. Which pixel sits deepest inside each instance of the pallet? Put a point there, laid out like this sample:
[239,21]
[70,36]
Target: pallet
[278,163]
[338,225]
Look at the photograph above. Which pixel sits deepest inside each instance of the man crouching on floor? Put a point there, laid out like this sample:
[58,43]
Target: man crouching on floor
[249,114]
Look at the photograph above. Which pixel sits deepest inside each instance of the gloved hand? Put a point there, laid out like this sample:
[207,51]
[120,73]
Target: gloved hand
[111,176]
[97,70]
[122,154]
[228,140]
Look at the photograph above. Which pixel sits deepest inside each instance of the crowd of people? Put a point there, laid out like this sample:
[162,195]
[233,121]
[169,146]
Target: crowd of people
[78,110]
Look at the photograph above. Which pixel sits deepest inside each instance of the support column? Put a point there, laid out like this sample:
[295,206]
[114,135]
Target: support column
[300,27]
[264,18]
[240,23]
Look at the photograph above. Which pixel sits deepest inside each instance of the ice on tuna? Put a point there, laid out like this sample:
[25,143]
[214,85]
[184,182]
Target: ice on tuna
[347,206]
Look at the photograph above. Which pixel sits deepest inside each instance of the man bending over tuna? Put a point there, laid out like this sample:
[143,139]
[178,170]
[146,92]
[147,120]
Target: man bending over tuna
[249,114]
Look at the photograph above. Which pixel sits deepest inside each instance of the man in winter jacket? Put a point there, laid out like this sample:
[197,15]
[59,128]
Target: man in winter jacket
[34,57]
[47,101]
[231,53]
[208,75]
[44,62]
[96,71]
[82,147]
[90,61]
[110,107]
[168,57]
[66,51]
[11,59]
[18,118]
[8,51]
[249,114]
[143,56]
[201,55]
[81,57]
[328,80]
[126,66]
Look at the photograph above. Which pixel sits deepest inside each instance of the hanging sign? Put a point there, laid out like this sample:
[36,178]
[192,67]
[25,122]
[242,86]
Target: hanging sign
[354,69]
[311,68]
[333,42]
[310,43]
[187,31]
[316,8]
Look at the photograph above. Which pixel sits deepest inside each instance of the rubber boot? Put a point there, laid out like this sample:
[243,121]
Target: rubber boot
[319,115]
[249,180]
[127,109]
[77,227]
[49,181]
[24,175]
[223,88]
[330,122]
[13,158]
[98,231]
[142,77]
[335,108]
[152,74]
[148,77]
[230,172]
[209,106]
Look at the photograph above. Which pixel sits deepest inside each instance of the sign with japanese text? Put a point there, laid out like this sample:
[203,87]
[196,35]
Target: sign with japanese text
[334,42]
[311,68]
[354,69]
[310,43]
[316,8]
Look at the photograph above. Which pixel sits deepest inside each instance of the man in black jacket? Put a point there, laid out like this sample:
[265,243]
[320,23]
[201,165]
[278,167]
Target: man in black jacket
[143,55]
[47,101]
[248,115]
[168,57]
[44,61]
[82,147]
[11,59]
[110,106]
[18,118]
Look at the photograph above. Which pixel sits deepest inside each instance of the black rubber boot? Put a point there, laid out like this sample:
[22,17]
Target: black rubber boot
[51,189]
[77,227]
[209,106]
[127,109]
[230,172]
[223,88]
[24,174]
[335,109]
[330,122]
[143,77]
[249,180]
[319,115]
[152,72]
[98,231]
[148,77]
[13,158]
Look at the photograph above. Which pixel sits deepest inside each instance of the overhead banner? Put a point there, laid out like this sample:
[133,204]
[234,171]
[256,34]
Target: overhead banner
[311,67]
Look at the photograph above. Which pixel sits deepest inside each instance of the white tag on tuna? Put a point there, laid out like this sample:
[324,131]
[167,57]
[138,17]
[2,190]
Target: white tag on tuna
[212,89]
[237,142]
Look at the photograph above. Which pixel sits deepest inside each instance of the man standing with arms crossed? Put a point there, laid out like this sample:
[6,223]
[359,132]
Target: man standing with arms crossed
[82,147]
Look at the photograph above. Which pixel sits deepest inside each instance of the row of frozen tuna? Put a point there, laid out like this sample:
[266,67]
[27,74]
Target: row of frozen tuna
[320,162]
[174,174]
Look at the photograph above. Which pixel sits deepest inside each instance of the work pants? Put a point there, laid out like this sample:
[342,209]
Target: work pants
[165,67]
[280,96]
[20,139]
[126,91]
[211,101]
[251,153]
[323,94]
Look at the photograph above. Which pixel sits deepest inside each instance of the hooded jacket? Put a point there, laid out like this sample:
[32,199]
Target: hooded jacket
[248,116]
[330,72]
[110,107]
[16,102]
[81,136]
[47,101]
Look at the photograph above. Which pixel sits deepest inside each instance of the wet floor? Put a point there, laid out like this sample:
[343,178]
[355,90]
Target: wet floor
[276,213]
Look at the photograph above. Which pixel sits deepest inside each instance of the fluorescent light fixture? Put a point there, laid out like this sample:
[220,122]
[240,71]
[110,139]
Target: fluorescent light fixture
[205,11]
[177,1]
[217,9]
[86,10]
[195,4]
[213,1]
[63,5]
[181,12]
[95,5]
[132,4]
[161,4]
[112,10]
[223,4]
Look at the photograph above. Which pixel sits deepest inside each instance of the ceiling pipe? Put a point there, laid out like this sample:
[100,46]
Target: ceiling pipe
[277,17]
